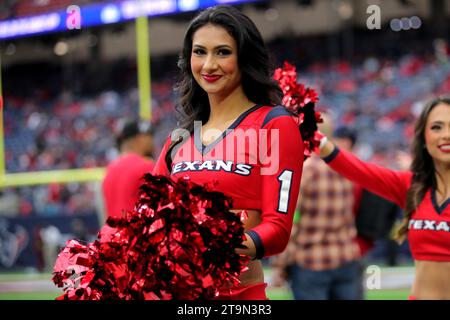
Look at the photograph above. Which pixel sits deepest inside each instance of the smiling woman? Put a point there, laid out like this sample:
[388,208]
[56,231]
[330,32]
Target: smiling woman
[423,193]
[227,90]
[214,64]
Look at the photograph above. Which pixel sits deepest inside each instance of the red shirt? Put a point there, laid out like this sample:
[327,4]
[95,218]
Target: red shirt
[258,162]
[121,183]
[364,245]
[429,227]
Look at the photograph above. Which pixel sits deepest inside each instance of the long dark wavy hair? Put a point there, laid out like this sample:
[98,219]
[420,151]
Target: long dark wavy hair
[253,60]
[422,167]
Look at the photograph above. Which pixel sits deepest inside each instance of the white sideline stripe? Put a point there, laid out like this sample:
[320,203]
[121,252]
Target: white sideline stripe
[28,286]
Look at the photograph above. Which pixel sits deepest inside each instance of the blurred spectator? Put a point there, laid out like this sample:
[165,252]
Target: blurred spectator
[442,50]
[9,203]
[123,175]
[79,230]
[321,260]
[51,244]
[38,247]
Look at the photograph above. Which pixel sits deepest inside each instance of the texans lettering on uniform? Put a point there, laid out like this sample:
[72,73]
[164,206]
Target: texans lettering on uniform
[213,165]
[432,225]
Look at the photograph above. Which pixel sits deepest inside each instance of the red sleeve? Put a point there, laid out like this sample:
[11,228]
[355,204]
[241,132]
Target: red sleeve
[389,184]
[161,166]
[279,186]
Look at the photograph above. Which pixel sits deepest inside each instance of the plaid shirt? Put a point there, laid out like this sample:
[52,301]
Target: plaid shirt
[324,237]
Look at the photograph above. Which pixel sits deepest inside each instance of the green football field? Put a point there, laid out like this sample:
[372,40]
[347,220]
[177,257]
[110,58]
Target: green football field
[35,286]
[273,295]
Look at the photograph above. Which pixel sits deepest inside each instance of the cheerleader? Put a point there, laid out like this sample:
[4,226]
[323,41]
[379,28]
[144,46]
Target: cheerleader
[234,131]
[423,193]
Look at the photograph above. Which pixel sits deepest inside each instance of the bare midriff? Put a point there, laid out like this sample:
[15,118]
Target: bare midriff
[254,274]
[432,280]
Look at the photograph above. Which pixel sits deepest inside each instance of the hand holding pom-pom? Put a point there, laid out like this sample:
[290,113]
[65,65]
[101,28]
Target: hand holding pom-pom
[178,243]
[301,101]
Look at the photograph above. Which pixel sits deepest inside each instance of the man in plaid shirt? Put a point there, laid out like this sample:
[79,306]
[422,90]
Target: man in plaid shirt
[322,258]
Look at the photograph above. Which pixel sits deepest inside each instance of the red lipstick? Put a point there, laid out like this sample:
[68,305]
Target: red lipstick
[211,78]
[445,148]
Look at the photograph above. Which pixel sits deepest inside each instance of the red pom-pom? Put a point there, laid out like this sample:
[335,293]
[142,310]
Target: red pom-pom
[301,101]
[178,243]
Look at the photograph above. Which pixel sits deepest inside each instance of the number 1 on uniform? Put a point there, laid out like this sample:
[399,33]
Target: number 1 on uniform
[285,179]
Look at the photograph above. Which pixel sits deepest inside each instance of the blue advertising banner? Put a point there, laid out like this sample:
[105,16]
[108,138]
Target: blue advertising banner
[75,17]
[35,241]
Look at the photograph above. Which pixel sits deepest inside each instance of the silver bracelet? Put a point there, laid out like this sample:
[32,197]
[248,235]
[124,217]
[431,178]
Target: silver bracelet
[323,141]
